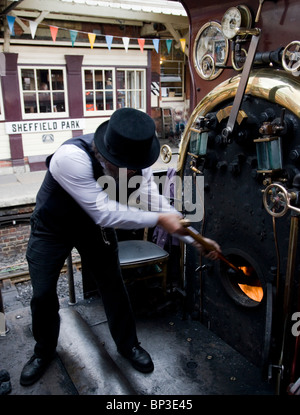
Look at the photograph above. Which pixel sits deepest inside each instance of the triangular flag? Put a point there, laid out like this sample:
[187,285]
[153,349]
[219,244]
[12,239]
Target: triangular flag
[11,22]
[182,42]
[156,44]
[92,38]
[141,43]
[109,40]
[53,30]
[33,25]
[169,43]
[73,36]
[126,42]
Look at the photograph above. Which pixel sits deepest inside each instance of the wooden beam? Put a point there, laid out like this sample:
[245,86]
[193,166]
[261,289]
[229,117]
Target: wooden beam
[11,7]
[87,10]
[177,36]
[68,17]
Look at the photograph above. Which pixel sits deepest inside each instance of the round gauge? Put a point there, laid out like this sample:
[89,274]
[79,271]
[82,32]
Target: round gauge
[210,51]
[231,22]
[234,19]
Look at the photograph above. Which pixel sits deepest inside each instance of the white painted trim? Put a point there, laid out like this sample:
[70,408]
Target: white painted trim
[28,116]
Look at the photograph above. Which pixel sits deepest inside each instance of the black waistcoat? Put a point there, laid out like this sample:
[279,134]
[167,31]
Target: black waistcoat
[57,210]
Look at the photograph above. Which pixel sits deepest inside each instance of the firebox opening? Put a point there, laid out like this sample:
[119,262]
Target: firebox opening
[245,287]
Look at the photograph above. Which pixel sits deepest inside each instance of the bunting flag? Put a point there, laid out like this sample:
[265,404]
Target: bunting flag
[169,43]
[126,42]
[182,42]
[33,26]
[156,44]
[141,43]
[92,38]
[73,36]
[11,22]
[109,40]
[53,30]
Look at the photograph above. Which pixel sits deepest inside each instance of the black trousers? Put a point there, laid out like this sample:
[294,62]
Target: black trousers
[98,248]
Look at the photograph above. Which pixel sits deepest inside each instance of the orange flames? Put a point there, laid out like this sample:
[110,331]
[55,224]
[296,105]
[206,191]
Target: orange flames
[256,292]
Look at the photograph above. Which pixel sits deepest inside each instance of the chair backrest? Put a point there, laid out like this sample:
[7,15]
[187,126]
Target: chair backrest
[137,252]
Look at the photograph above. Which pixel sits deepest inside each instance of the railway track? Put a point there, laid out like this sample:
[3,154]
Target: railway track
[16,277]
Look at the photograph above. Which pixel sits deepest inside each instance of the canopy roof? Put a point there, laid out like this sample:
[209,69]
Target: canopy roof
[157,17]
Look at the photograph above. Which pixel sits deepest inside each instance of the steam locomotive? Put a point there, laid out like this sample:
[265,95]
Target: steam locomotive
[241,150]
[243,138]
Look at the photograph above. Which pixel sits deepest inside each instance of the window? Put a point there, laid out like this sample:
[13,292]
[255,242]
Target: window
[98,90]
[131,87]
[43,92]
[106,89]
[171,73]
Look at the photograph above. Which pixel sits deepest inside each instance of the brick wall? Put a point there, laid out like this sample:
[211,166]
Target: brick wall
[14,233]
[13,239]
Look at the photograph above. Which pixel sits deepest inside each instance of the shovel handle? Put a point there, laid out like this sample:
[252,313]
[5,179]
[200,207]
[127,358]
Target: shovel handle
[207,245]
[197,236]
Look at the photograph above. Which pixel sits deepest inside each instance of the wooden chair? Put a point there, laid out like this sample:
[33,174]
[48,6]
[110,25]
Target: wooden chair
[132,254]
[141,253]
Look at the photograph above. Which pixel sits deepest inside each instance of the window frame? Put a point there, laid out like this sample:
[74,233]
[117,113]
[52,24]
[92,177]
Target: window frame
[126,90]
[93,113]
[42,115]
[178,98]
[173,55]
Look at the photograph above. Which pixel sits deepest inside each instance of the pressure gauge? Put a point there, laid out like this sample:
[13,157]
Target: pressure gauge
[234,19]
[210,51]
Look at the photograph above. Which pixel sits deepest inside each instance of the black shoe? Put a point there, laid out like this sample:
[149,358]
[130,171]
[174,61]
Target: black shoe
[5,387]
[34,369]
[139,358]
[4,376]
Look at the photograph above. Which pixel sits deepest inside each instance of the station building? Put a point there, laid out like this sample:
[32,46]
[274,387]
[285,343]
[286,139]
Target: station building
[67,65]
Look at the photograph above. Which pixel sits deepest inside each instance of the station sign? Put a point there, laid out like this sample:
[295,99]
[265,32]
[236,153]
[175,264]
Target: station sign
[26,127]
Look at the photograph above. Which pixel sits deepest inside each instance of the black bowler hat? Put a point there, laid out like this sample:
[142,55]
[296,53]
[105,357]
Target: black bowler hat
[128,139]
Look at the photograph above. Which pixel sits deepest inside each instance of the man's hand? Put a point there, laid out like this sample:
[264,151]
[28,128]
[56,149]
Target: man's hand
[171,223]
[213,254]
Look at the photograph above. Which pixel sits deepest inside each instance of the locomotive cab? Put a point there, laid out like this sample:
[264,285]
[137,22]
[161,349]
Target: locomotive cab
[242,138]
[229,326]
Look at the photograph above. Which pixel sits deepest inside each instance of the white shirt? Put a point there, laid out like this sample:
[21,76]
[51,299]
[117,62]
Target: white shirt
[72,168]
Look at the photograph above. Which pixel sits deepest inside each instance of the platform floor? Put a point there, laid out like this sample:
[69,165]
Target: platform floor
[189,359]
